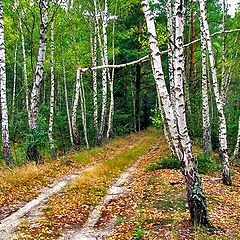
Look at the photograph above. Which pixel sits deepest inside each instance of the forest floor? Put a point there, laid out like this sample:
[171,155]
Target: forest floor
[108,193]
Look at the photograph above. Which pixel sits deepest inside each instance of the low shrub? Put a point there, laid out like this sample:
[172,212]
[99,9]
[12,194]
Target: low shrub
[165,163]
[206,164]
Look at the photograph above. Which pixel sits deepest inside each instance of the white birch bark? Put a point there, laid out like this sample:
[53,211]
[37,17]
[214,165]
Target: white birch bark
[95,86]
[14,80]
[222,120]
[4,109]
[32,152]
[52,91]
[179,80]
[195,194]
[111,85]
[104,77]
[236,153]
[207,143]
[83,110]
[163,119]
[224,72]
[159,78]
[66,101]
[25,78]
[76,138]
[170,27]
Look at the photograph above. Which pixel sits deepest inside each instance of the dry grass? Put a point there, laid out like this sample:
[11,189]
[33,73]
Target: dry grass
[21,184]
[73,205]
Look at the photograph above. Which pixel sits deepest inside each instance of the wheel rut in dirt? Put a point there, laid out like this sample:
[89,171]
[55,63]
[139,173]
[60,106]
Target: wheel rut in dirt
[120,187]
[32,209]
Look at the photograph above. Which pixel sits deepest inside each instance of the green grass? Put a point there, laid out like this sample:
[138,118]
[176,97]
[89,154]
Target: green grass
[90,187]
[165,163]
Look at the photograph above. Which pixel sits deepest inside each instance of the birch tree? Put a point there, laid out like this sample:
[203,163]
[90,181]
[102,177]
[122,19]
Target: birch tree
[111,84]
[32,151]
[222,120]
[25,78]
[83,110]
[76,138]
[14,81]
[94,77]
[195,194]
[207,145]
[66,99]
[105,62]
[4,108]
[170,28]
[52,92]
[224,71]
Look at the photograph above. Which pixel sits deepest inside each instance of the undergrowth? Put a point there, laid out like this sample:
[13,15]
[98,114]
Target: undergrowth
[165,163]
[205,164]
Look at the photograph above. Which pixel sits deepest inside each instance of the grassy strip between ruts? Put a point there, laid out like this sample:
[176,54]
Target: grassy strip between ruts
[72,206]
[23,183]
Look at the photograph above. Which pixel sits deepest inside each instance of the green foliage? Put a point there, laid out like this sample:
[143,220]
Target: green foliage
[138,232]
[156,119]
[206,164]
[165,163]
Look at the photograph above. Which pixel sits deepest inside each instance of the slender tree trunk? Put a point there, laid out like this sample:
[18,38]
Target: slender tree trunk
[52,96]
[195,194]
[7,156]
[192,48]
[76,138]
[66,100]
[207,143]
[137,99]
[224,72]
[236,152]
[170,28]
[14,81]
[25,78]
[84,111]
[95,86]
[163,119]
[32,152]
[104,78]
[111,84]
[222,120]
[134,108]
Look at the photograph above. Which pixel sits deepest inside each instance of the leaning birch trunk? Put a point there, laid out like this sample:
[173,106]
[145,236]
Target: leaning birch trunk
[32,152]
[52,91]
[95,86]
[84,111]
[76,138]
[169,12]
[195,194]
[207,143]
[236,153]
[222,120]
[14,81]
[111,83]
[25,79]
[163,119]
[4,110]
[66,101]
[224,72]
[104,78]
